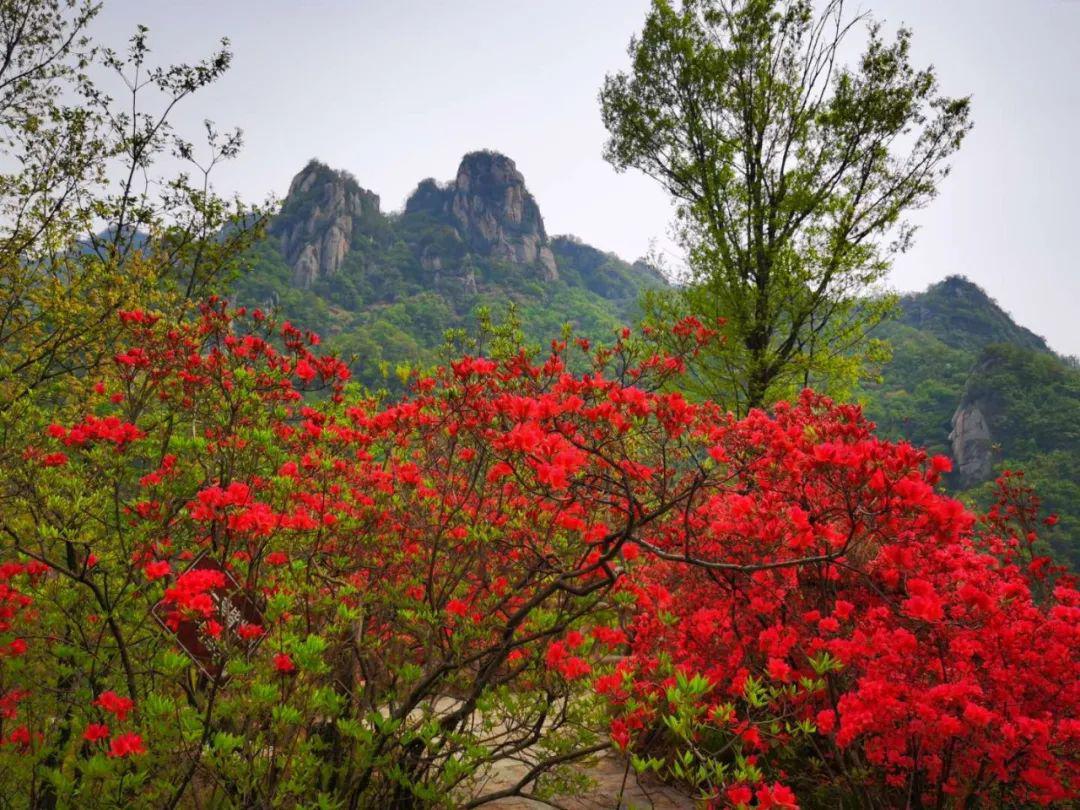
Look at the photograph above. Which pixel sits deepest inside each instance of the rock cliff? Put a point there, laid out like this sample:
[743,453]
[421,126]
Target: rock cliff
[319,220]
[485,212]
[972,445]
[490,208]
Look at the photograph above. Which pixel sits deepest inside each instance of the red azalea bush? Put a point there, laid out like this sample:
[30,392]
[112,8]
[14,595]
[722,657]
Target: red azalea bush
[234,581]
[920,660]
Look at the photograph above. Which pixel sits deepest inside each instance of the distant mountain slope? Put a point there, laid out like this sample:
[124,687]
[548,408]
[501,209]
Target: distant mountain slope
[385,287]
[961,315]
[966,380]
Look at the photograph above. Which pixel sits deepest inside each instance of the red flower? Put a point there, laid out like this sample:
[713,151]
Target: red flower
[740,795]
[249,632]
[573,668]
[95,732]
[115,704]
[457,607]
[778,796]
[828,625]
[126,745]
[283,663]
[20,736]
[924,603]
[609,636]
[941,464]
[305,371]
[156,569]
[825,720]
[779,670]
[189,590]
[620,734]
[16,648]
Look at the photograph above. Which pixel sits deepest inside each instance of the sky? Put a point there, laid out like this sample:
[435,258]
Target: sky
[398,90]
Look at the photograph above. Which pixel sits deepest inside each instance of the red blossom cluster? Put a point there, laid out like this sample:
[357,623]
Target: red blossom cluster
[832,625]
[110,429]
[115,704]
[127,744]
[190,593]
[930,659]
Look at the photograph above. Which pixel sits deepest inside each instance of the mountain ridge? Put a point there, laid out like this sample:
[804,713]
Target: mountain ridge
[975,318]
[386,286]
[967,381]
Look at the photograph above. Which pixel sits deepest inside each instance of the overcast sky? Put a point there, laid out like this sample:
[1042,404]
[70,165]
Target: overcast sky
[398,90]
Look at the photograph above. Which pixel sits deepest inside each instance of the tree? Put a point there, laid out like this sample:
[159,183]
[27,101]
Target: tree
[89,224]
[792,176]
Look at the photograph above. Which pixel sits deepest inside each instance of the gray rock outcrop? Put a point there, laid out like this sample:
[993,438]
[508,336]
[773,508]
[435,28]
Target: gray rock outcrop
[489,206]
[484,212]
[972,445]
[318,221]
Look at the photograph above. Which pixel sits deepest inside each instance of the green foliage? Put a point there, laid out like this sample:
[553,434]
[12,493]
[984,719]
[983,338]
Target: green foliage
[1032,402]
[919,388]
[699,745]
[962,316]
[954,345]
[386,311]
[792,175]
[604,274]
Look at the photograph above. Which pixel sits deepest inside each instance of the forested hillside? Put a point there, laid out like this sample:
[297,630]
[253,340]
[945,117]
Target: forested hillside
[966,380]
[385,287]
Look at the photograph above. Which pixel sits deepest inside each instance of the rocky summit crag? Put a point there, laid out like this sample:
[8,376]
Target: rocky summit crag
[492,212]
[322,214]
[386,286]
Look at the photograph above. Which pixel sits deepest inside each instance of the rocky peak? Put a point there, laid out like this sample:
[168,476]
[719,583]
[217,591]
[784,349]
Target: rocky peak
[961,315]
[318,222]
[490,208]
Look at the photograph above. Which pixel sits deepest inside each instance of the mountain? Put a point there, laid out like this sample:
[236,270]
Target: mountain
[961,315]
[386,286]
[967,381]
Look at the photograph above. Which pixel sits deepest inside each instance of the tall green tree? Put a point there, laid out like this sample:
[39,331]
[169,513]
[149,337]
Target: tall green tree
[791,173]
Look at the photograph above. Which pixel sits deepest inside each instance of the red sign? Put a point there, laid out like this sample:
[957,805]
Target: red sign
[232,607]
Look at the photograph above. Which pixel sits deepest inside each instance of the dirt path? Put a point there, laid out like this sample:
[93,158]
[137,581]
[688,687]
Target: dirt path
[608,774]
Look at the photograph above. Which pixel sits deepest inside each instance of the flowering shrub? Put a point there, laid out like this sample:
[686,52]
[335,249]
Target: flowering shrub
[235,581]
[430,582]
[916,660]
